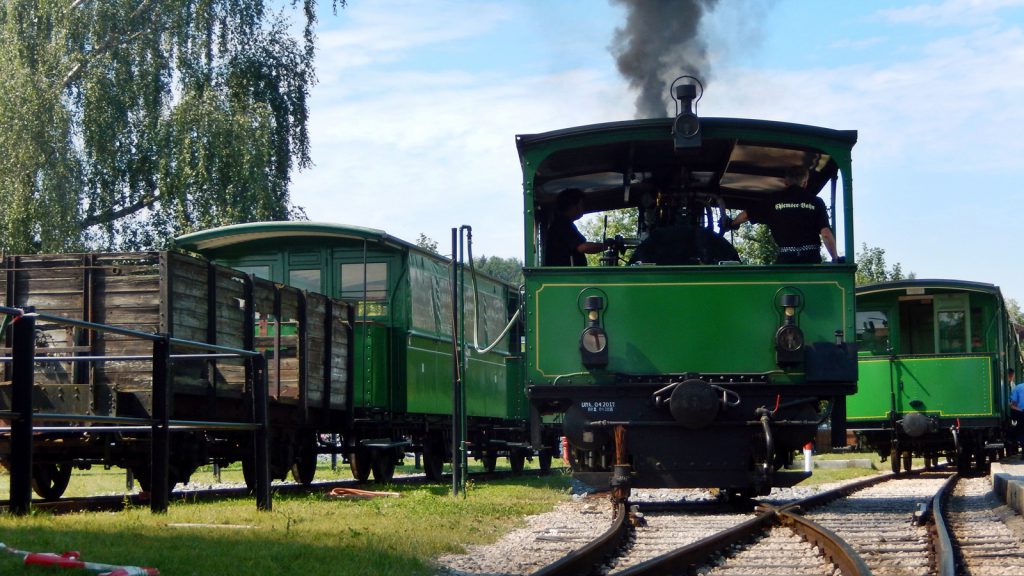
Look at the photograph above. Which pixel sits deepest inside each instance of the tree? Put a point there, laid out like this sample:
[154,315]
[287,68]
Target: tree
[1016,314]
[606,225]
[755,244]
[508,269]
[871,267]
[126,122]
[427,243]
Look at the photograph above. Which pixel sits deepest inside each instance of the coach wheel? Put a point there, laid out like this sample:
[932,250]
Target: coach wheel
[50,480]
[359,463]
[433,459]
[908,461]
[544,461]
[490,461]
[517,461]
[383,466]
[894,460]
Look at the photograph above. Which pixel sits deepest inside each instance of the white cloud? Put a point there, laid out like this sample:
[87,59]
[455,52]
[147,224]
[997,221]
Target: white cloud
[950,13]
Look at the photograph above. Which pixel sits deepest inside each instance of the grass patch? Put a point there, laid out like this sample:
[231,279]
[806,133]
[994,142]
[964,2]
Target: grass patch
[304,534]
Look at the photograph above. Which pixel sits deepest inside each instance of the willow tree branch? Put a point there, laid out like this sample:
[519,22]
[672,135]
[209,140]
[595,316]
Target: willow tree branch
[111,215]
[111,39]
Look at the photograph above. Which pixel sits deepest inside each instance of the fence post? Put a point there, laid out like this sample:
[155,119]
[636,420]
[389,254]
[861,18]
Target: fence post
[23,376]
[161,435]
[260,436]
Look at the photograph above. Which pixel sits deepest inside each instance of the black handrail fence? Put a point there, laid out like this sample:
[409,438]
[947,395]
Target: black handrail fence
[160,426]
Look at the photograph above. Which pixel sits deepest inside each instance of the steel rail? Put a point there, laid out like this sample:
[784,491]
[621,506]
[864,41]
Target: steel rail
[692,555]
[582,561]
[837,550]
[945,555]
[681,560]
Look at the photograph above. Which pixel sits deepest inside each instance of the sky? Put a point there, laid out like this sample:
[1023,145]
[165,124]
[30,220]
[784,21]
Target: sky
[414,117]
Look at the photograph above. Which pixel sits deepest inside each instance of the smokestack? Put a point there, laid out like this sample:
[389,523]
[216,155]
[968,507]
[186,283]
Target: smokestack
[661,41]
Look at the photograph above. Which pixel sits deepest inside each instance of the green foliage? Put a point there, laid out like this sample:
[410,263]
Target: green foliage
[427,243]
[1016,315]
[871,267]
[130,121]
[508,269]
[755,244]
[621,222]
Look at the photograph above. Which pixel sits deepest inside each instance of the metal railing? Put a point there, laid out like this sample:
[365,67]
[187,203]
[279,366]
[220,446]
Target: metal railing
[160,426]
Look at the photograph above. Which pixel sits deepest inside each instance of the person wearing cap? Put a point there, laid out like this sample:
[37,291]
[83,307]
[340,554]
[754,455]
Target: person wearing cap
[564,245]
[797,220]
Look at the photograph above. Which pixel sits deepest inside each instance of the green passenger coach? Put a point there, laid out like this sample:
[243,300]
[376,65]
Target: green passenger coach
[681,361]
[934,357]
[402,370]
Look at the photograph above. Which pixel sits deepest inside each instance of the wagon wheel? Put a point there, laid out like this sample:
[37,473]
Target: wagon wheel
[383,465]
[894,460]
[50,480]
[544,460]
[963,460]
[517,461]
[908,461]
[433,459]
[359,463]
[304,467]
[980,459]
[145,478]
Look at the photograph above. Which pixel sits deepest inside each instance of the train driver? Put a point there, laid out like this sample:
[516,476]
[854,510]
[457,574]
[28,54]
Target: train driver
[795,219]
[564,245]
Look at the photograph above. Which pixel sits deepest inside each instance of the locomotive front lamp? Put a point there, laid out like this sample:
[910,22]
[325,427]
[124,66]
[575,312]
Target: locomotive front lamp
[789,339]
[593,339]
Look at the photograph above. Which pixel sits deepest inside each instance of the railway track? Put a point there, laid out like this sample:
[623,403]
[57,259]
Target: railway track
[117,502]
[900,525]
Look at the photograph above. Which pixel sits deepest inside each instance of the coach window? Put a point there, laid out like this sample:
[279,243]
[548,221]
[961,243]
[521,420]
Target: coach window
[257,271]
[305,279]
[366,282]
[873,332]
[952,322]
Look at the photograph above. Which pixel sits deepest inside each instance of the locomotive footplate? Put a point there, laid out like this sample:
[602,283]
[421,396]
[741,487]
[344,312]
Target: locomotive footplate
[688,434]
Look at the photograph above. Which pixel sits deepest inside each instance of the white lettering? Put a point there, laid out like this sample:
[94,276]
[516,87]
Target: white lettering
[598,406]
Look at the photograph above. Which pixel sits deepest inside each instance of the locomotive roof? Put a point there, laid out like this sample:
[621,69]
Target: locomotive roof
[236,234]
[923,284]
[741,159]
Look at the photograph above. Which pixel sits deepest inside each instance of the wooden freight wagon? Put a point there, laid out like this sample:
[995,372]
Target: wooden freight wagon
[304,336]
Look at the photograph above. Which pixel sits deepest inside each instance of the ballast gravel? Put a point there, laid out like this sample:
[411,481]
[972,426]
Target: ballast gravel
[547,537]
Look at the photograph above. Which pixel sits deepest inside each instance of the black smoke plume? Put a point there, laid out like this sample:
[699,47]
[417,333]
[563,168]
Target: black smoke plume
[660,42]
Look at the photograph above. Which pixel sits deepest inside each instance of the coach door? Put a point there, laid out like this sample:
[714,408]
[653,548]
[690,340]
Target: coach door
[366,284]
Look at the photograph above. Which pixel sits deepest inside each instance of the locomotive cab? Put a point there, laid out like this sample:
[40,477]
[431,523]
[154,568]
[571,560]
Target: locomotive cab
[688,358]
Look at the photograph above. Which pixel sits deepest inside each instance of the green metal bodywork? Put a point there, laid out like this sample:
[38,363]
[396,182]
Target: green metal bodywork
[674,320]
[903,364]
[403,346]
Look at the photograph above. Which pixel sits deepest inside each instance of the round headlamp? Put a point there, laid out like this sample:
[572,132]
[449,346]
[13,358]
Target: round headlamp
[789,338]
[594,340]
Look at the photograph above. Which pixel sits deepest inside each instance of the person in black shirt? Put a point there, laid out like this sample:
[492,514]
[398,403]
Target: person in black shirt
[563,243]
[795,219]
